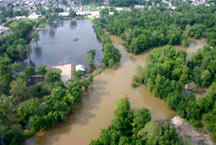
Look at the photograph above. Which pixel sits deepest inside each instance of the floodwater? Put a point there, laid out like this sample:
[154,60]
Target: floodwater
[95,110]
[193,47]
[64,42]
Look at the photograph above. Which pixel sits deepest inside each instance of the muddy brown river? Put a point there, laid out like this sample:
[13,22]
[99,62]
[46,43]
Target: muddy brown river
[94,112]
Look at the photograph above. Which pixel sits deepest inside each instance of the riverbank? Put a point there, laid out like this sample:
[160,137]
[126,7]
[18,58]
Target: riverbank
[186,131]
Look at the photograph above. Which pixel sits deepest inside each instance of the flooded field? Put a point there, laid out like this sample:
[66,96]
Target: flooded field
[95,110]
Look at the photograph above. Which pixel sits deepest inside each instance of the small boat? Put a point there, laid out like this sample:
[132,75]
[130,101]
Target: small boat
[75,39]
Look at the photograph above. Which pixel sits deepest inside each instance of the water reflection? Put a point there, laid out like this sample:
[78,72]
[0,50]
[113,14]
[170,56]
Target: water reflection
[44,32]
[57,46]
[38,51]
[73,24]
[51,32]
[29,62]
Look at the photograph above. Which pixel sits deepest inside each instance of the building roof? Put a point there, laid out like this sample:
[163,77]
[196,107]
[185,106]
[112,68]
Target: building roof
[80,67]
[64,14]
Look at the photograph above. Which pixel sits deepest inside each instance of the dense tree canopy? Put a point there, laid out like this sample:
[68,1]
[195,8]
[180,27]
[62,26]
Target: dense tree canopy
[157,27]
[203,66]
[165,75]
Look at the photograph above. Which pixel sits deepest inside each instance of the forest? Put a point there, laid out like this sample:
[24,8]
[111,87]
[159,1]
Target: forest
[169,74]
[129,128]
[157,27]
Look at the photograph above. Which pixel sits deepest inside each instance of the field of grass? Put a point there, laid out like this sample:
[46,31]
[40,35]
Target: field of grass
[13,24]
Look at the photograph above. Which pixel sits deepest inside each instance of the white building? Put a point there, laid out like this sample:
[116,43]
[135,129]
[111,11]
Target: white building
[111,13]
[34,16]
[20,17]
[94,14]
[82,13]
[64,14]
[119,9]
[139,7]
[80,67]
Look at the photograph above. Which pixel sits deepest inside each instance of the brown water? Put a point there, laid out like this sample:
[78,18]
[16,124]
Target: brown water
[95,110]
[193,47]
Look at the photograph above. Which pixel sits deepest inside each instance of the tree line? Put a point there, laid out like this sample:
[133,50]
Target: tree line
[111,55]
[157,27]
[14,48]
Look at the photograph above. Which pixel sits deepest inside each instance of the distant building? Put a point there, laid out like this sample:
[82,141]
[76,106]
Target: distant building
[111,13]
[139,7]
[81,13]
[20,17]
[34,16]
[119,9]
[64,14]
[93,15]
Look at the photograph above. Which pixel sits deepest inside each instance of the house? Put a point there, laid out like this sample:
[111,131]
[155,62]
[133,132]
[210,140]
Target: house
[111,13]
[20,17]
[93,15]
[33,16]
[80,67]
[119,9]
[139,7]
[81,13]
[64,14]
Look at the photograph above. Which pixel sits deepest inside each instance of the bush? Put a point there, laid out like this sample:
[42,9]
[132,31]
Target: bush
[134,84]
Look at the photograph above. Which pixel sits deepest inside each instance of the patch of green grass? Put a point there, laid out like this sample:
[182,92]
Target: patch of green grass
[14,24]
[95,10]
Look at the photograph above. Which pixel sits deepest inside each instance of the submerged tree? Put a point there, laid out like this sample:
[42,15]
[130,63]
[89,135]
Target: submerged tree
[89,58]
[35,37]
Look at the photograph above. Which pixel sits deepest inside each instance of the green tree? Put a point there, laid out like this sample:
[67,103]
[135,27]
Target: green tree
[41,69]
[72,14]
[140,118]
[7,114]
[19,90]
[77,74]
[12,135]
[35,37]
[206,77]
[52,75]
[151,130]
[39,90]
[28,108]
[88,60]
[29,71]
